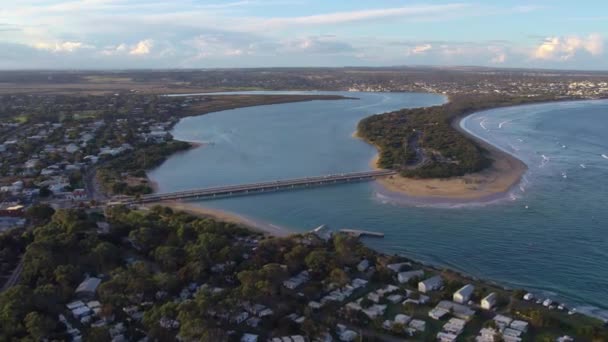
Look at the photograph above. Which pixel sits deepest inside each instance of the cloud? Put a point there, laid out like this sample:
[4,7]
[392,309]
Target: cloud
[365,15]
[142,48]
[325,44]
[62,46]
[420,49]
[565,48]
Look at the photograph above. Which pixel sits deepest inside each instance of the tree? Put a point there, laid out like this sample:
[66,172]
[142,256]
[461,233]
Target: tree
[14,304]
[339,277]
[105,255]
[47,298]
[346,247]
[98,335]
[319,261]
[169,257]
[39,326]
[294,259]
[40,212]
[66,275]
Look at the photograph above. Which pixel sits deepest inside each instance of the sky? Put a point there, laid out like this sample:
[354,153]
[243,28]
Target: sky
[127,34]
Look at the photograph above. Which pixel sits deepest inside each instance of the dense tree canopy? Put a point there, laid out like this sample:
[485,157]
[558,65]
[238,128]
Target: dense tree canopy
[423,142]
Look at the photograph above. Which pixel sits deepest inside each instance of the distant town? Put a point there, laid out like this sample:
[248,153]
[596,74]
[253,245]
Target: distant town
[74,268]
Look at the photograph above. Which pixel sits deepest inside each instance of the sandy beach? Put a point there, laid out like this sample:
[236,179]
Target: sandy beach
[505,173]
[265,228]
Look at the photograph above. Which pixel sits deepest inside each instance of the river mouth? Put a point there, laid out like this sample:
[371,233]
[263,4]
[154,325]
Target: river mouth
[555,218]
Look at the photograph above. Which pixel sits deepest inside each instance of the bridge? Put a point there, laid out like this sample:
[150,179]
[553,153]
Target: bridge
[257,188]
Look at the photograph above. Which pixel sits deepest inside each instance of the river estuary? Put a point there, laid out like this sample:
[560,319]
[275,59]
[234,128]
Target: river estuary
[549,235]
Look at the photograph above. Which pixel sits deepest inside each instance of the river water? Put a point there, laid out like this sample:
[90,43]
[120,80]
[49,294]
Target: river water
[549,235]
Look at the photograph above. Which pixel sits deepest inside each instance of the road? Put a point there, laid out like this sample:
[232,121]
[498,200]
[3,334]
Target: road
[92,186]
[14,278]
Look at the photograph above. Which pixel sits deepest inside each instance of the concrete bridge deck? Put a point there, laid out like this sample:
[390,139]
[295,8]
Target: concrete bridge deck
[256,188]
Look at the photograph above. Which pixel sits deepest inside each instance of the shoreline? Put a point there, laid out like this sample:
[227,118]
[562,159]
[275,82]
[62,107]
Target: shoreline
[489,185]
[221,215]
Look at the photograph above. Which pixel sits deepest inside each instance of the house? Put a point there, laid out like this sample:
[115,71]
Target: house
[463,295]
[395,298]
[404,277]
[520,325]
[249,338]
[103,227]
[363,265]
[81,312]
[240,318]
[430,284]
[293,282]
[398,266]
[458,310]
[446,337]
[74,305]
[71,148]
[502,321]
[295,338]
[454,326]
[348,335]
[487,335]
[78,195]
[489,301]
[315,305]
[438,313]
[402,319]
[323,232]
[88,288]
[418,325]
[528,296]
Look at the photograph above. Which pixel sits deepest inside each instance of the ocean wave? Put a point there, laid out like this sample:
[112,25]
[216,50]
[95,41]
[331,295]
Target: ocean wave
[482,124]
[544,161]
[503,123]
[604,156]
[590,310]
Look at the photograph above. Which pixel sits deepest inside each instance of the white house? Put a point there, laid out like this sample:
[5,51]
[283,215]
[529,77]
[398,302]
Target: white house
[463,295]
[430,284]
[489,301]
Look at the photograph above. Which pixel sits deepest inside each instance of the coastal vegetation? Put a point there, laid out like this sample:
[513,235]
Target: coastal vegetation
[425,143]
[115,173]
[166,274]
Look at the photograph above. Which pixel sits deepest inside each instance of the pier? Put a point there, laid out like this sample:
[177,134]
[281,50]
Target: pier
[259,188]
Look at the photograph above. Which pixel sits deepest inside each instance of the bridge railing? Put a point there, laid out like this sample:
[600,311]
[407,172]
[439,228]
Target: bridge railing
[265,185]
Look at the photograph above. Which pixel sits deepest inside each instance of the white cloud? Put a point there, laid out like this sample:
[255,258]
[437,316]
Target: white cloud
[316,44]
[363,15]
[565,48]
[142,48]
[62,46]
[420,49]
[500,58]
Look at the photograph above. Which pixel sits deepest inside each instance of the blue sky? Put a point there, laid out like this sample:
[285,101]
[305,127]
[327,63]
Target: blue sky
[71,34]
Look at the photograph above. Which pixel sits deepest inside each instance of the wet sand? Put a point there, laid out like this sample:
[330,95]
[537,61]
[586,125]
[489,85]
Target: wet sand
[488,185]
[196,210]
